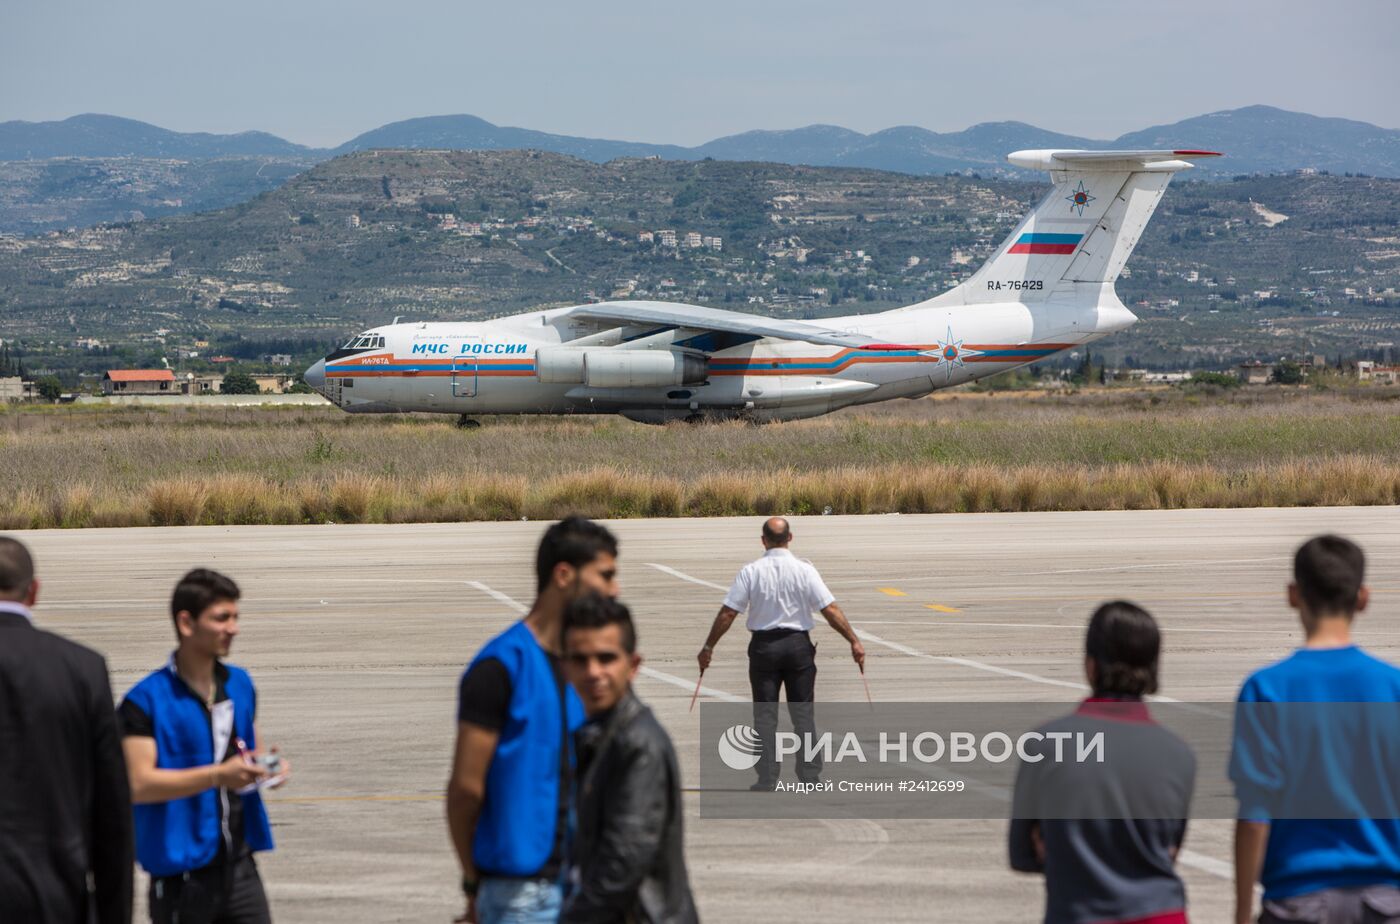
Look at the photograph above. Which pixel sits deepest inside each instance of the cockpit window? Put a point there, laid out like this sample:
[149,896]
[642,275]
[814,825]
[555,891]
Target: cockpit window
[365,342]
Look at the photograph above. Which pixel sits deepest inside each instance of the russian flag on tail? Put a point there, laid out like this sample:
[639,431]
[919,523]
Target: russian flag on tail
[1047,243]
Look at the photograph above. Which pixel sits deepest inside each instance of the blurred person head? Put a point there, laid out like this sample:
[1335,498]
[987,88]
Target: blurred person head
[600,651]
[1121,650]
[204,608]
[17,581]
[1328,575]
[576,556]
[776,533]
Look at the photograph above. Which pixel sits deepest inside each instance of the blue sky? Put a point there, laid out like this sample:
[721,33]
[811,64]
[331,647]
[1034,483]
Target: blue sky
[322,71]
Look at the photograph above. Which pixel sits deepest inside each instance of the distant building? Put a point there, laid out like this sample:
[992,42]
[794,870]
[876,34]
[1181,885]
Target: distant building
[1386,375]
[87,343]
[11,388]
[201,384]
[645,237]
[1125,375]
[352,221]
[222,360]
[273,384]
[138,382]
[1256,373]
[714,243]
[1364,369]
[280,359]
[692,239]
[666,238]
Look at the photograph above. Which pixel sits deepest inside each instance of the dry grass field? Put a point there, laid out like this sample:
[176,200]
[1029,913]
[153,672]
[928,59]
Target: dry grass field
[1109,449]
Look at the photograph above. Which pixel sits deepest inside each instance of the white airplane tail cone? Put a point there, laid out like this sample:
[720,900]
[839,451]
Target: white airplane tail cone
[1074,244]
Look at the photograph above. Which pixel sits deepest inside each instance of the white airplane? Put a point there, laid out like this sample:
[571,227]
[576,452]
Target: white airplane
[1048,288]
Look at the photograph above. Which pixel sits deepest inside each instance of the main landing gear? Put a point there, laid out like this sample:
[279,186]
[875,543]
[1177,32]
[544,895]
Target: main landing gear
[467,423]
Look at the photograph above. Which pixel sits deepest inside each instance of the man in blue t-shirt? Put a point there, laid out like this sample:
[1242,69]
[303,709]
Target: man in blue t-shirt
[509,795]
[1288,760]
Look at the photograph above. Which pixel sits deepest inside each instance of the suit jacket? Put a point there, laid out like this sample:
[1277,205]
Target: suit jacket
[65,806]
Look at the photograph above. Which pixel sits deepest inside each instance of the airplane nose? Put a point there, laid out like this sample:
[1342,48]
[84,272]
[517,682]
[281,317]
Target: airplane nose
[316,375]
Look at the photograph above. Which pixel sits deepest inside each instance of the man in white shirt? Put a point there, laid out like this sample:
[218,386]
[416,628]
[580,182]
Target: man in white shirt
[780,593]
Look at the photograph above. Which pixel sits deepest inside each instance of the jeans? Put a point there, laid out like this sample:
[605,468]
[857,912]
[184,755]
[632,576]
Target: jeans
[502,900]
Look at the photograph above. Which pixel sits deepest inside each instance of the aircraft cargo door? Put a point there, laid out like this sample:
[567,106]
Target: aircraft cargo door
[464,369]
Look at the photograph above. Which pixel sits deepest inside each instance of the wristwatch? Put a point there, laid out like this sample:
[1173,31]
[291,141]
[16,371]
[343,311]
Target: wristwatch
[469,886]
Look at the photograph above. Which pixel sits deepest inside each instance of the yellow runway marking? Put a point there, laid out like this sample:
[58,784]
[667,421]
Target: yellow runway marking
[892,591]
[941,609]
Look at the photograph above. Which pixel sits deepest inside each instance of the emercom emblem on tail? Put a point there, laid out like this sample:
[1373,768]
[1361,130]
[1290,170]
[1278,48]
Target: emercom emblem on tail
[1079,199]
[1075,242]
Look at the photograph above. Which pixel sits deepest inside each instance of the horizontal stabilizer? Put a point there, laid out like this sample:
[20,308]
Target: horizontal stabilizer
[1131,161]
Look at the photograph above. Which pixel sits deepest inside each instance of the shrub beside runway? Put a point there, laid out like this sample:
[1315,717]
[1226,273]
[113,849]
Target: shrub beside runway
[1105,450]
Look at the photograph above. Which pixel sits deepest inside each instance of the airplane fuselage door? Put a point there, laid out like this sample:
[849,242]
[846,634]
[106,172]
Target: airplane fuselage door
[464,377]
[464,372]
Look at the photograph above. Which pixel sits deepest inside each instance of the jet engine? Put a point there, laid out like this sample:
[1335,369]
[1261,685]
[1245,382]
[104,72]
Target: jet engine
[616,368]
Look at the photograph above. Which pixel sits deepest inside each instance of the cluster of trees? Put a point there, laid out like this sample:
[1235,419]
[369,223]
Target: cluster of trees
[10,365]
[239,383]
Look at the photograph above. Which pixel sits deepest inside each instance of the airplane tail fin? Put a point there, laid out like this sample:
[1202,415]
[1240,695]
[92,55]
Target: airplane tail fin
[1077,239]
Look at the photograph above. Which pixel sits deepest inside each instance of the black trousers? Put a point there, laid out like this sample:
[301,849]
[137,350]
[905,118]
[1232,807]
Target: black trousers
[783,659]
[215,894]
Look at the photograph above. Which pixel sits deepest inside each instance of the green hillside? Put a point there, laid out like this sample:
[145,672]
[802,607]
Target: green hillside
[1221,274]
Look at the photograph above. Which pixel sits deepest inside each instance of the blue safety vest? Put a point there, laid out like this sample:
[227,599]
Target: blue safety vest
[184,834]
[515,831]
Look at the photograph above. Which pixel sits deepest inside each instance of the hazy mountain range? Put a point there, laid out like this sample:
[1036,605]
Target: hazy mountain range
[1257,139]
[1225,271]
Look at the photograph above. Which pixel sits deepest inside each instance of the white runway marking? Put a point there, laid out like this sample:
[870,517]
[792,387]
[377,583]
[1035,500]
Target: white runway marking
[1204,863]
[926,578]
[687,577]
[903,649]
[957,623]
[968,662]
[651,672]
[499,597]
[949,659]
[689,687]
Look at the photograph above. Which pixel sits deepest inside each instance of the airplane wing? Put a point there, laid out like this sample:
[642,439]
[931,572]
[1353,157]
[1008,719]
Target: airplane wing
[672,314]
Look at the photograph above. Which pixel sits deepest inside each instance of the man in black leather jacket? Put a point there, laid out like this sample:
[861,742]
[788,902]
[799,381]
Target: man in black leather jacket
[627,861]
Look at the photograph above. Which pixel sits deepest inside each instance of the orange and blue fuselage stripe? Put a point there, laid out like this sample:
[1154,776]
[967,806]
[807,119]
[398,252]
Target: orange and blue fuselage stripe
[392,366]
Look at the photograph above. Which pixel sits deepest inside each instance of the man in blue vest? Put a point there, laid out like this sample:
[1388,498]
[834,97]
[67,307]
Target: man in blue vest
[508,798]
[190,743]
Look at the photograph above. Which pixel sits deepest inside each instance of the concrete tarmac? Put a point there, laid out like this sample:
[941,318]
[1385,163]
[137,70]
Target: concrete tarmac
[357,635]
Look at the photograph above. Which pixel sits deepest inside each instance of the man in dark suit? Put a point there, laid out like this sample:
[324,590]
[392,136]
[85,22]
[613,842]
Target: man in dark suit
[65,807]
